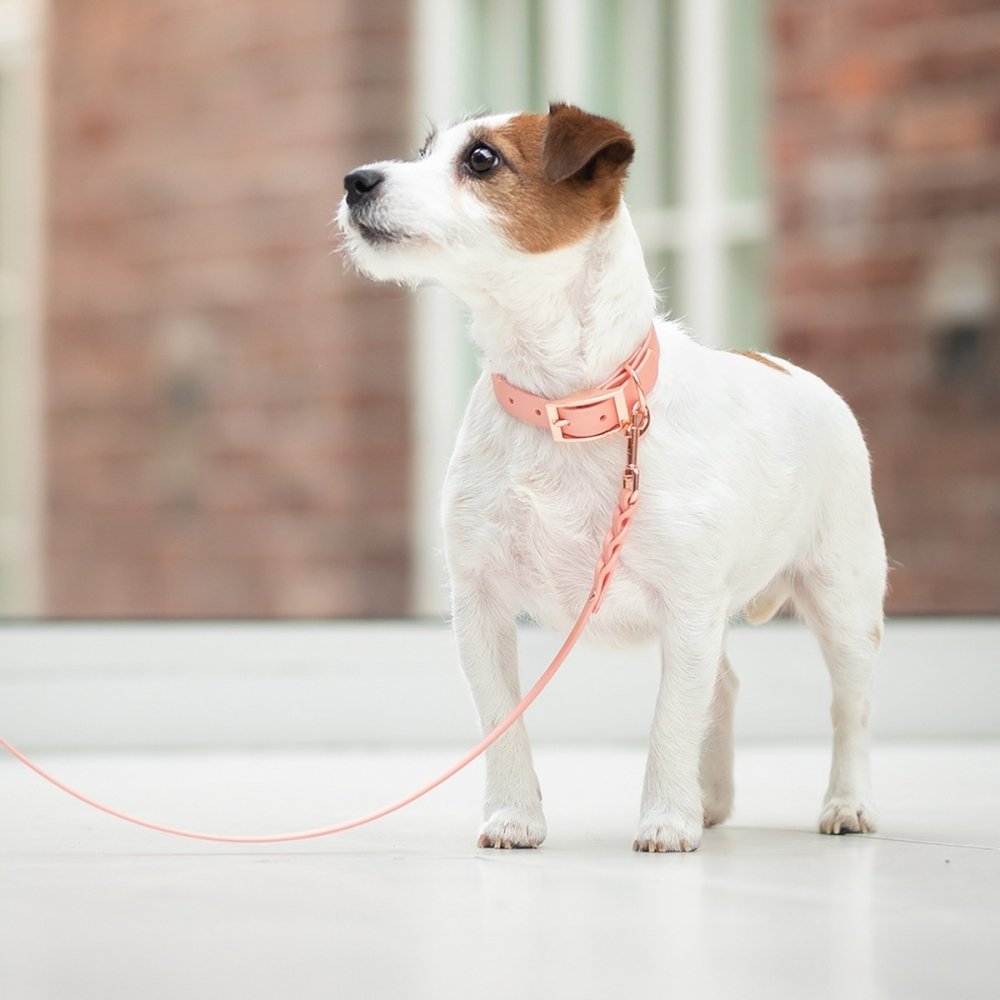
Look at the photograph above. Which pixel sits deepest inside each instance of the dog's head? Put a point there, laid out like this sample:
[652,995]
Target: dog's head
[486,195]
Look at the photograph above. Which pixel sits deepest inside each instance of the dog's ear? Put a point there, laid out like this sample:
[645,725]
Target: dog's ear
[578,144]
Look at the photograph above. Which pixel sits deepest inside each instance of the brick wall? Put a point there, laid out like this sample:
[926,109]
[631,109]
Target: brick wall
[886,151]
[219,442]
[227,409]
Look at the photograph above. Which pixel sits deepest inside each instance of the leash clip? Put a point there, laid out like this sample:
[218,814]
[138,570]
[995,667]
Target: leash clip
[633,429]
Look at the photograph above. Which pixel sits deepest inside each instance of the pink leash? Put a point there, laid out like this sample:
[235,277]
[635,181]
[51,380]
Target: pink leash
[606,564]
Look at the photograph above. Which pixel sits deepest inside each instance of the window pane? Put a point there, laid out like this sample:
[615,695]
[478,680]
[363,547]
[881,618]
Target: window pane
[747,317]
[745,98]
[603,67]
[632,75]
[502,58]
[668,80]
[537,98]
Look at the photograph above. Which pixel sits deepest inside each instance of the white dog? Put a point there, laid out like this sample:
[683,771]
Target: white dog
[756,486]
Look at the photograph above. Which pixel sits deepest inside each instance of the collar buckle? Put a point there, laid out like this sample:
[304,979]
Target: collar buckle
[557,409]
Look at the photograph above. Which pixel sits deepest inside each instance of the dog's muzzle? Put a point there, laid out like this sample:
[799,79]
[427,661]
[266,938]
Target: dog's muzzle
[360,185]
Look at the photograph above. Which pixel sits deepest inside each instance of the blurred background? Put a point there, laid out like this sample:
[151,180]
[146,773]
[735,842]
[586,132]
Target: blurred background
[203,414]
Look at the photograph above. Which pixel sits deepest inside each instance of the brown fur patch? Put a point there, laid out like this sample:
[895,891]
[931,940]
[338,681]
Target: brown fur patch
[762,359]
[582,145]
[876,636]
[541,214]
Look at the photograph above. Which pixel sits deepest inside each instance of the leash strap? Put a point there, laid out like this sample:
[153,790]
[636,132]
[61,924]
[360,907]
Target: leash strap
[607,562]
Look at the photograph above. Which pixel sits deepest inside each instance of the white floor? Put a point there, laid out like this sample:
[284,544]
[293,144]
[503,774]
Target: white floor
[408,908]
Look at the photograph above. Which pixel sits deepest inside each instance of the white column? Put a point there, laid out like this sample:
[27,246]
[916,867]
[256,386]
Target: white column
[702,266]
[22,444]
[564,29]
[438,348]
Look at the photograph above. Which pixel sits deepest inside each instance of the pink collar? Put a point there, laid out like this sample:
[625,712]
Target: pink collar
[590,413]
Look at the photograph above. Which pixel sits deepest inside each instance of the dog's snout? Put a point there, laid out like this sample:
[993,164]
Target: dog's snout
[359,184]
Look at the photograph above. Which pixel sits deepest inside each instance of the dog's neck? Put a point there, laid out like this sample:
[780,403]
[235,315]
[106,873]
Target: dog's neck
[565,320]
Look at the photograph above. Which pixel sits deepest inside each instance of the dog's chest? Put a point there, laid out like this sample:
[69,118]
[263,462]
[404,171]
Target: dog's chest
[534,522]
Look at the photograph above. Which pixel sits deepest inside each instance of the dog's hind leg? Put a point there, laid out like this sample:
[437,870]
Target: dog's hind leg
[716,767]
[487,647]
[841,600]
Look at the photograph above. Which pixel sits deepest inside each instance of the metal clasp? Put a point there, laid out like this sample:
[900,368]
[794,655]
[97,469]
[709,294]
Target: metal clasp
[633,429]
[581,401]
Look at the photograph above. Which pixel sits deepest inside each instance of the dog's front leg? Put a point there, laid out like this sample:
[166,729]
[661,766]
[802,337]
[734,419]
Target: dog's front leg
[487,647]
[671,818]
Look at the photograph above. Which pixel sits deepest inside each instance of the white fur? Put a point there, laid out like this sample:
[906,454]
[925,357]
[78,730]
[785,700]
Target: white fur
[755,489]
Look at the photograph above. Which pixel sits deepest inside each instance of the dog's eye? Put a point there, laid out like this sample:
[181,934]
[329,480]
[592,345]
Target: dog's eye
[481,159]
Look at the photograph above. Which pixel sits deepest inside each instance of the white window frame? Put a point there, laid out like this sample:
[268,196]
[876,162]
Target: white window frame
[701,229]
[21,425]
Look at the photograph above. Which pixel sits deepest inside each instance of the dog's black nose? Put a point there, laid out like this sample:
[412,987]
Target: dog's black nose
[360,184]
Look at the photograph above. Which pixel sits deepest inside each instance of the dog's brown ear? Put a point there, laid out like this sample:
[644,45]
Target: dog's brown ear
[580,144]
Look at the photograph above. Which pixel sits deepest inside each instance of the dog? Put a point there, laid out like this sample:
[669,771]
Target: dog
[756,481]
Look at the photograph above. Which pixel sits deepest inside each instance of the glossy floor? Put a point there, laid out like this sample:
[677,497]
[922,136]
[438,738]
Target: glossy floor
[408,908]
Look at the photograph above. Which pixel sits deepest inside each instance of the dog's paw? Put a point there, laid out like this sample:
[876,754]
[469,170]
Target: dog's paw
[666,833]
[847,815]
[512,828]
